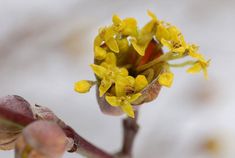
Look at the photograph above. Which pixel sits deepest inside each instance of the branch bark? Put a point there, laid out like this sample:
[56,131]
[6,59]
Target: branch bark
[130,129]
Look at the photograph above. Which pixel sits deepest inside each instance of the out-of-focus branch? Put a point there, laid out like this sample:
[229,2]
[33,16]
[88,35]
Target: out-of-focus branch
[81,145]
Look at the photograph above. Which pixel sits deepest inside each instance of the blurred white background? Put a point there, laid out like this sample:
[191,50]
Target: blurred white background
[45,46]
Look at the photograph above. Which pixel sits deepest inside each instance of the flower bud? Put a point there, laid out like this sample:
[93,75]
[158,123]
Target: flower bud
[83,86]
[9,131]
[41,139]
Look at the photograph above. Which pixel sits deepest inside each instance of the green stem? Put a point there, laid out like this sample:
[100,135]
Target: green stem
[191,62]
[166,57]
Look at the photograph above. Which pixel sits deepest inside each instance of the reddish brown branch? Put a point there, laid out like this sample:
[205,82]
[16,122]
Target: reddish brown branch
[130,129]
[84,147]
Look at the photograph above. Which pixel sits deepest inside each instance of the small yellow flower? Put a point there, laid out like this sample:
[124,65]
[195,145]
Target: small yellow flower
[83,86]
[166,79]
[129,85]
[171,37]
[179,46]
[199,66]
[127,27]
[130,27]
[124,102]
[108,72]
[145,35]
[168,32]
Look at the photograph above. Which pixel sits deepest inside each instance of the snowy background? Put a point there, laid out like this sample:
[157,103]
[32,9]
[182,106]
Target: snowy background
[45,46]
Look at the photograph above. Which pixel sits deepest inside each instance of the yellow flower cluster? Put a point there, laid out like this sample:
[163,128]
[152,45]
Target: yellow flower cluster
[171,37]
[126,88]
[127,59]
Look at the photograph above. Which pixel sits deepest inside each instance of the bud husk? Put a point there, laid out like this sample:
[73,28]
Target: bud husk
[9,131]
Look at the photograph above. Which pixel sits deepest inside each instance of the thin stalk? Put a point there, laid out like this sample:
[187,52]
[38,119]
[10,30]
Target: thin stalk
[84,147]
[165,57]
[191,62]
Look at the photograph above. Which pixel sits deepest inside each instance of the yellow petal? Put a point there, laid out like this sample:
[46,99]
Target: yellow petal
[99,70]
[139,48]
[104,86]
[152,15]
[111,59]
[162,33]
[98,40]
[116,20]
[140,83]
[166,79]
[122,84]
[130,22]
[109,34]
[131,80]
[195,68]
[174,33]
[112,100]
[82,86]
[130,27]
[134,97]
[101,34]
[123,45]
[112,44]
[123,72]
[128,109]
[100,53]
[148,28]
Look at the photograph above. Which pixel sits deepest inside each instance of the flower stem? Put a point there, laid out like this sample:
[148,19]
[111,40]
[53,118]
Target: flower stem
[165,57]
[182,64]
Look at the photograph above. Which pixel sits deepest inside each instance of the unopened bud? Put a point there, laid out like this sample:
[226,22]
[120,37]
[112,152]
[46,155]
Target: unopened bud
[41,139]
[83,86]
[9,131]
